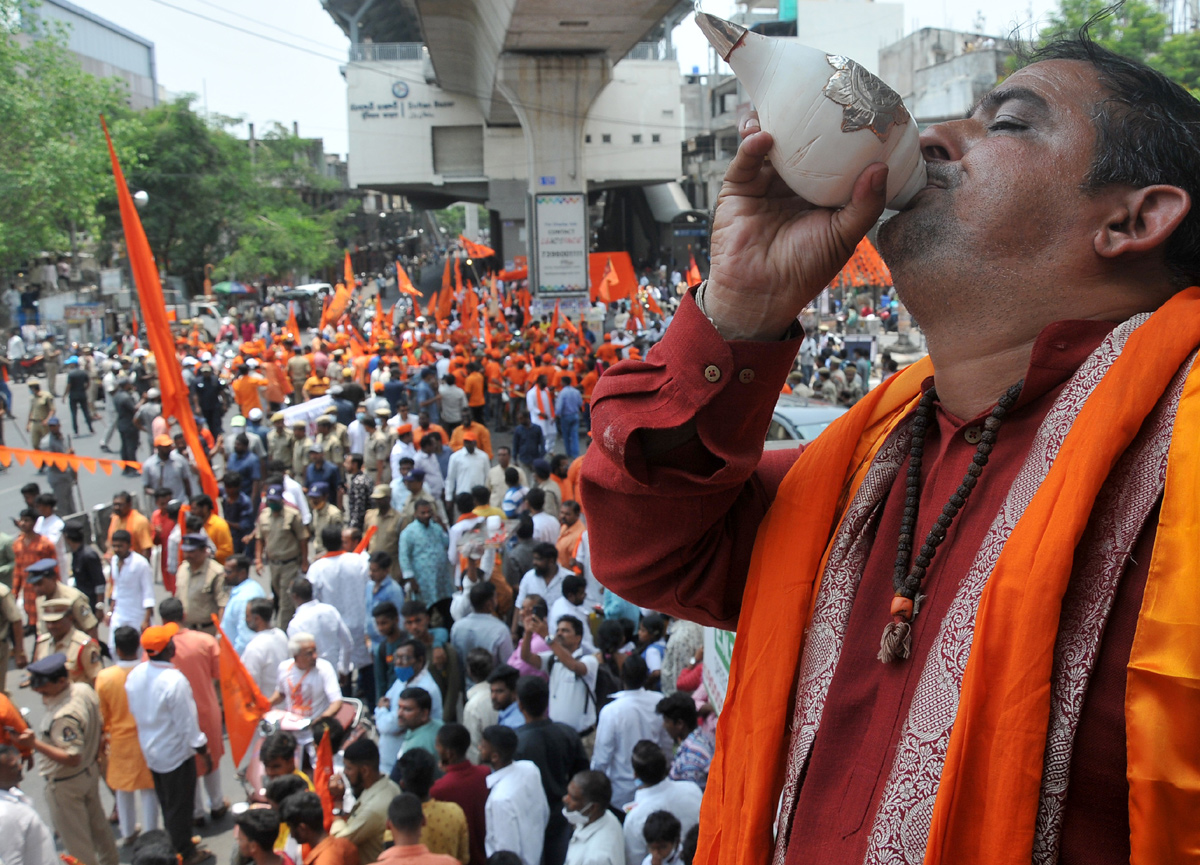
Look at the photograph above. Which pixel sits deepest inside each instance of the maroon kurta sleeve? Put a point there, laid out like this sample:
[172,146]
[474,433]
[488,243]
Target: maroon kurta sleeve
[672,529]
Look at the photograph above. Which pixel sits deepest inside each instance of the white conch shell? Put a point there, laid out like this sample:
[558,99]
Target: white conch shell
[829,116]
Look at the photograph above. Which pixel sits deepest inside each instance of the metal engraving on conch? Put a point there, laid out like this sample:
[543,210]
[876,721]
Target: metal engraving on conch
[867,102]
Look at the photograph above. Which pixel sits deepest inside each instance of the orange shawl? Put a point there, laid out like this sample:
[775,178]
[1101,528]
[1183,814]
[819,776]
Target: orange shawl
[988,795]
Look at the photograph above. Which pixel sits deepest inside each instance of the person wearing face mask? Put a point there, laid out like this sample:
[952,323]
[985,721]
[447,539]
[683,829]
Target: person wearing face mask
[412,672]
[357,431]
[662,834]
[282,544]
[596,838]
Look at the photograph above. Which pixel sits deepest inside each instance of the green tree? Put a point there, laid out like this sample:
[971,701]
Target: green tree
[1180,60]
[54,168]
[252,212]
[1134,29]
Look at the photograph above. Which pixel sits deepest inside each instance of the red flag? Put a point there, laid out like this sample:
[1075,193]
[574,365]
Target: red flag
[609,280]
[348,269]
[693,273]
[244,703]
[175,401]
[322,773]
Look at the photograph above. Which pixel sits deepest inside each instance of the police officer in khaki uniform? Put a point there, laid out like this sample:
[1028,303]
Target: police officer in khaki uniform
[389,434]
[200,584]
[387,526]
[282,543]
[41,407]
[376,450]
[279,441]
[323,514]
[67,752]
[299,368]
[10,629]
[300,445]
[82,652]
[327,436]
[43,576]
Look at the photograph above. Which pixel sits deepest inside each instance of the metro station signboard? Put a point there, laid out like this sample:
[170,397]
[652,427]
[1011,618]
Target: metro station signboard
[561,254]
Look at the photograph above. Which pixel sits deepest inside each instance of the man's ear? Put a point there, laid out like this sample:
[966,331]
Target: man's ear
[1142,220]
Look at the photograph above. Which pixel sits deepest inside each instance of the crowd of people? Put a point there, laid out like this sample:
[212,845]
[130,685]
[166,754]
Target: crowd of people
[373,543]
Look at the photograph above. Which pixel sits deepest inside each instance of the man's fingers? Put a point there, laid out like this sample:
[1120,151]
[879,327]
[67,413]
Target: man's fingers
[748,161]
[749,125]
[854,220]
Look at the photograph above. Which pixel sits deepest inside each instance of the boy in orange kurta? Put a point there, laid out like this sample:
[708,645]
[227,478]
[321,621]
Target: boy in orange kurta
[127,773]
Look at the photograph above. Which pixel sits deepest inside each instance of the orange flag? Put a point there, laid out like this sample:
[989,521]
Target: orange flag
[133,321]
[637,313]
[293,325]
[244,703]
[487,336]
[476,250]
[569,325]
[609,280]
[457,276]
[389,320]
[431,309]
[554,321]
[693,272]
[403,282]
[175,401]
[445,300]
[652,304]
[348,268]
[337,306]
[446,274]
[366,539]
[377,322]
[322,772]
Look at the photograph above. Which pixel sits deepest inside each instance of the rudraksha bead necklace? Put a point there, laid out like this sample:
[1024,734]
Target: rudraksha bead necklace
[907,578]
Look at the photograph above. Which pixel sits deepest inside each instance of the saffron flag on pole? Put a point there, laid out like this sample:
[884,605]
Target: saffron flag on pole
[693,273]
[651,303]
[554,321]
[244,703]
[175,398]
[348,270]
[322,772]
[608,281]
[293,325]
[403,282]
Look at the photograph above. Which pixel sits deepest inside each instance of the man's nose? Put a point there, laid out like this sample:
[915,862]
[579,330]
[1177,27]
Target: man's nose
[946,142]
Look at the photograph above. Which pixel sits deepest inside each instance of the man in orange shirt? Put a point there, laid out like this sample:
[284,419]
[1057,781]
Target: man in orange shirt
[215,527]
[306,821]
[126,516]
[28,547]
[494,374]
[247,387]
[424,426]
[278,384]
[608,352]
[483,438]
[474,387]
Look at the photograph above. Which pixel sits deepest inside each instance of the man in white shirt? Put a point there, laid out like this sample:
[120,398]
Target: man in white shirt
[16,346]
[168,726]
[25,839]
[51,526]
[478,712]
[545,527]
[412,671]
[572,603]
[402,448]
[516,812]
[267,649]
[539,401]
[324,623]
[657,793]
[306,684]
[468,468]
[597,839]
[132,586]
[339,578]
[627,720]
[293,494]
[546,576]
[572,672]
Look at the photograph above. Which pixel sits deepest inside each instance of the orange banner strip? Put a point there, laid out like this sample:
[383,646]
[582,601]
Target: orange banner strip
[38,459]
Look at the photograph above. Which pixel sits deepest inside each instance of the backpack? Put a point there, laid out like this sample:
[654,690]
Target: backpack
[607,684]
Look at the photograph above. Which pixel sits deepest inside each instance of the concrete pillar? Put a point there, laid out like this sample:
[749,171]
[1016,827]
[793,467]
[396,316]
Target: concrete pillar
[471,230]
[551,95]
